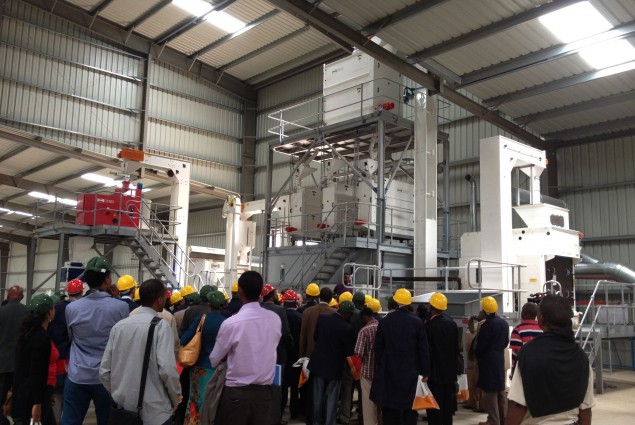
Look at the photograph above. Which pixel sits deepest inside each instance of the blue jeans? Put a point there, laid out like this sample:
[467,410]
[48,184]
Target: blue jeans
[77,399]
[326,393]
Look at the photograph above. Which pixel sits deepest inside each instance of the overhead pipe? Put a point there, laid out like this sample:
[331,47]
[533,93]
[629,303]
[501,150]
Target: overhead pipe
[472,182]
[592,268]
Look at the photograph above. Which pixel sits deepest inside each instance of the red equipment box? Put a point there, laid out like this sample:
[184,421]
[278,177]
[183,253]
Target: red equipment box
[114,209]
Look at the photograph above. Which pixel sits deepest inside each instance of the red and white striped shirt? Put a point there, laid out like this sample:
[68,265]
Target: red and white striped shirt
[524,332]
[365,348]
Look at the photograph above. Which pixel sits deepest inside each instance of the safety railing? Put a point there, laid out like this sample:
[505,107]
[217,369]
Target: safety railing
[372,277]
[156,234]
[443,274]
[361,100]
[512,268]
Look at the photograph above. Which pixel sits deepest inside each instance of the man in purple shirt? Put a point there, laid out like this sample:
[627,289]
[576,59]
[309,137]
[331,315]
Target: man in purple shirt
[248,342]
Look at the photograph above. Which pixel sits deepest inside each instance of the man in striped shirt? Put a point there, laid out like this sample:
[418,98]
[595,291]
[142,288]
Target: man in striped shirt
[365,349]
[525,331]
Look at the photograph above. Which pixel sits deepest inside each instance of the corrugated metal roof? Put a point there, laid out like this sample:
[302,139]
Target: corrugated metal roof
[124,12]
[285,52]
[268,32]
[85,4]
[162,21]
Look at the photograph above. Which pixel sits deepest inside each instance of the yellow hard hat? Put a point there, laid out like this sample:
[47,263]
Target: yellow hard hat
[489,305]
[374,305]
[235,287]
[313,290]
[126,282]
[402,297]
[136,295]
[175,298]
[346,296]
[333,303]
[225,294]
[367,298]
[187,290]
[439,301]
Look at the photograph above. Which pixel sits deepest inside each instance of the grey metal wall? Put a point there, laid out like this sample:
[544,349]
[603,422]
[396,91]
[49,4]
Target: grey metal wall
[207,228]
[62,82]
[598,183]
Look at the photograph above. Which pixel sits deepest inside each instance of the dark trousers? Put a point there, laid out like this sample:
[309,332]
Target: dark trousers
[6,380]
[399,417]
[179,415]
[276,406]
[307,392]
[346,395]
[445,395]
[250,405]
[290,391]
[495,404]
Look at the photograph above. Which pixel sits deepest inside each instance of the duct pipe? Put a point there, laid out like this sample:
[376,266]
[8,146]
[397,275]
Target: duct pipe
[587,259]
[618,272]
[472,181]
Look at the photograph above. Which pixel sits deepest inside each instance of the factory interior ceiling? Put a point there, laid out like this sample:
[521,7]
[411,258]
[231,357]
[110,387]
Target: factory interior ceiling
[503,61]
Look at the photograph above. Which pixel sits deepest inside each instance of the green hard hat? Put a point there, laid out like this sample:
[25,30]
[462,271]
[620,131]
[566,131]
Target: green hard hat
[98,264]
[346,307]
[216,299]
[206,289]
[359,298]
[41,303]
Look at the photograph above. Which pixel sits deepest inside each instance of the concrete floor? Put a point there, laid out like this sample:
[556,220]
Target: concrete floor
[614,407]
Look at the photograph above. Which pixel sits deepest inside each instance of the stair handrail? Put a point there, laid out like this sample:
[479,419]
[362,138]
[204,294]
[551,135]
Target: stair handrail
[329,235]
[589,306]
[178,255]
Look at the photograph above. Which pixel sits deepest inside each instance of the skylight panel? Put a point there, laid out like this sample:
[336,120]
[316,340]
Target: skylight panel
[193,7]
[575,22]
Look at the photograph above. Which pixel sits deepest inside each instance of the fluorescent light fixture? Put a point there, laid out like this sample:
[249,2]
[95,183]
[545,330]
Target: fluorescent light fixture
[23,213]
[225,21]
[51,198]
[609,53]
[193,7]
[99,179]
[5,210]
[146,189]
[575,22]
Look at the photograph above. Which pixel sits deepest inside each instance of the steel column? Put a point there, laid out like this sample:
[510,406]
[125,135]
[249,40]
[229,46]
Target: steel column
[380,229]
[5,250]
[248,163]
[266,223]
[145,101]
[30,268]
[446,196]
[60,260]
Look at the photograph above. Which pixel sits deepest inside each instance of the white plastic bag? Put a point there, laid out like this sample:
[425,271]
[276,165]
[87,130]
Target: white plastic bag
[423,397]
[464,392]
[305,372]
[35,422]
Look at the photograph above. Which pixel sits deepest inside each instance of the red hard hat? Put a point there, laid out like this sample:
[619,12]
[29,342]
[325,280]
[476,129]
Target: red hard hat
[266,290]
[74,286]
[289,295]
[169,294]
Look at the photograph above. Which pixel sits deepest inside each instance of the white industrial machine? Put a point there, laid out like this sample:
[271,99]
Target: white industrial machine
[505,251]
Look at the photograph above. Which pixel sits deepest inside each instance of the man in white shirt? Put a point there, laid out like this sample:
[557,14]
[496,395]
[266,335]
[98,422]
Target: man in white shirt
[121,367]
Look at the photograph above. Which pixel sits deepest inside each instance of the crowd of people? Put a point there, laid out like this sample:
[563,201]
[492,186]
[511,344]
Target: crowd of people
[262,351]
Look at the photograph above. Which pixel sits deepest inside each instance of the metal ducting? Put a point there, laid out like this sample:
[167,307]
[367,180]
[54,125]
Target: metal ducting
[592,268]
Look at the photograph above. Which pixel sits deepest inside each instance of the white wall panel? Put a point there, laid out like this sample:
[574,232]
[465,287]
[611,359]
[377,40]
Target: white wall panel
[45,264]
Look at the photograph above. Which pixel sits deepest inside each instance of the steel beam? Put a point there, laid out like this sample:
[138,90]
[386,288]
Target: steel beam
[147,15]
[5,250]
[141,45]
[400,15]
[263,49]
[75,175]
[545,55]
[11,237]
[176,31]
[488,30]
[16,225]
[31,250]
[100,7]
[48,164]
[558,84]
[29,185]
[577,107]
[248,162]
[591,129]
[13,153]
[592,139]
[216,44]
[330,26]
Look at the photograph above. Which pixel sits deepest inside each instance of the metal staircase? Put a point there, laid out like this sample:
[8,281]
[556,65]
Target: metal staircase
[157,249]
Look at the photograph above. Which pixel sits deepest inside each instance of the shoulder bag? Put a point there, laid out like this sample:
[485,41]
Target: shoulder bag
[190,352]
[119,416]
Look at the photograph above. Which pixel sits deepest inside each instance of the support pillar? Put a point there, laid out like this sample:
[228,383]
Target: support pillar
[266,223]
[248,165]
[30,268]
[425,199]
[552,173]
[5,250]
[60,261]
